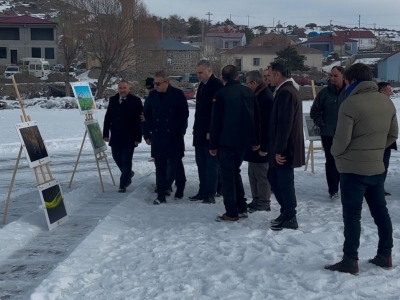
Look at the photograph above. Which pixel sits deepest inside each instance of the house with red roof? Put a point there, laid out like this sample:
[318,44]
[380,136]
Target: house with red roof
[366,39]
[26,36]
[331,43]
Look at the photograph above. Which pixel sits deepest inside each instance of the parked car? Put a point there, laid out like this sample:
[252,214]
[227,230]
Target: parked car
[301,80]
[322,82]
[193,78]
[72,71]
[11,70]
[189,93]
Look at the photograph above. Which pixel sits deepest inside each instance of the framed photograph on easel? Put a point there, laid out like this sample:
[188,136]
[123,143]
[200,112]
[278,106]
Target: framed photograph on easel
[33,144]
[53,204]
[96,136]
[84,97]
[311,130]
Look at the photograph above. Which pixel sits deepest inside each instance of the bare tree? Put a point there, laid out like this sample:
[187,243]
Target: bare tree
[217,59]
[111,35]
[72,37]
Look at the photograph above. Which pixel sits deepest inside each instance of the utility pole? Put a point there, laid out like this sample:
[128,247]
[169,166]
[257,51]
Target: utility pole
[359,32]
[374,28]
[330,25]
[202,33]
[248,21]
[273,22]
[230,17]
[209,17]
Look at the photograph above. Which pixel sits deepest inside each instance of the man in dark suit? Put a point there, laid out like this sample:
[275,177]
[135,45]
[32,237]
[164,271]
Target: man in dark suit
[234,128]
[286,146]
[123,120]
[166,113]
[207,165]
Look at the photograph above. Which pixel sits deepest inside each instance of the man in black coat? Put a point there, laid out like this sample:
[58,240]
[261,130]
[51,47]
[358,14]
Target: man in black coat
[234,128]
[258,160]
[122,119]
[207,165]
[286,146]
[166,113]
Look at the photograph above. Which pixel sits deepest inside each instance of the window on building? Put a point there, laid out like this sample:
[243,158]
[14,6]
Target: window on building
[42,34]
[3,52]
[235,44]
[9,34]
[226,45]
[49,53]
[256,61]
[37,52]
[347,47]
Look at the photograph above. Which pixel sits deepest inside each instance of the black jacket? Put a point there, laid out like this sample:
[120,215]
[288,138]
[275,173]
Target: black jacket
[265,102]
[202,117]
[325,109]
[286,135]
[235,118]
[123,120]
[166,118]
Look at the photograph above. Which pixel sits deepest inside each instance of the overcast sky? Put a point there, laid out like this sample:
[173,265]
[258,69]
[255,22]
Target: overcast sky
[263,12]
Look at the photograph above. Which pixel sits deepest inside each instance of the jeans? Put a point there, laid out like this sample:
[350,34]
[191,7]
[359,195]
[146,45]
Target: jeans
[230,160]
[331,172]
[281,179]
[353,190]
[207,166]
[123,158]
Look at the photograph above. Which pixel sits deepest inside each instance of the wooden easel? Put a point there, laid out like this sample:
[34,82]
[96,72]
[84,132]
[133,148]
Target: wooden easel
[98,157]
[311,147]
[42,173]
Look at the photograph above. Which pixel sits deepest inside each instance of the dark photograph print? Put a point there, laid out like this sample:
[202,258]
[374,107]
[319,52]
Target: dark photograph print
[53,201]
[33,143]
[311,130]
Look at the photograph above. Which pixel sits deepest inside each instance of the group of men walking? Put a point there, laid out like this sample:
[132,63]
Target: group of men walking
[262,123]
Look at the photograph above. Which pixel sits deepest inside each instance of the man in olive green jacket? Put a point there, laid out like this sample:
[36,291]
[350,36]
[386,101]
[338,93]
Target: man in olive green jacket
[367,124]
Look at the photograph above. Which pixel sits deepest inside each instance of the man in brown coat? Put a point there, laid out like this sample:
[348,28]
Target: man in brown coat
[367,124]
[286,145]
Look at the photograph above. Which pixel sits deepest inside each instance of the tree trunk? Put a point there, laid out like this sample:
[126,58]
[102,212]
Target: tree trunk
[67,87]
[100,84]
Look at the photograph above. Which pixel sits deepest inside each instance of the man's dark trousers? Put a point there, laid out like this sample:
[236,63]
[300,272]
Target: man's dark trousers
[353,189]
[230,160]
[164,166]
[281,179]
[123,158]
[207,166]
[332,174]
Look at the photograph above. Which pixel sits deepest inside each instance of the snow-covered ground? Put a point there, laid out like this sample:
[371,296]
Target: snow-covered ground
[120,246]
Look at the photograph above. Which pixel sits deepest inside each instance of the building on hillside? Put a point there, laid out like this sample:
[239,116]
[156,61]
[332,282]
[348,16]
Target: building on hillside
[225,40]
[389,68]
[341,45]
[272,39]
[367,40]
[249,58]
[167,54]
[26,36]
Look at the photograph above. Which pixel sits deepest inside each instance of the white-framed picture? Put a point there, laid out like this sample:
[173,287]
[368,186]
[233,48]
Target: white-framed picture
[33,144]
[53,202]
[84,97]
[95,136]
[311,130]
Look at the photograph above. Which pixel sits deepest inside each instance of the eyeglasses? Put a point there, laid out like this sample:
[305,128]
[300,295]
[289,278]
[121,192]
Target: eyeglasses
[159,83]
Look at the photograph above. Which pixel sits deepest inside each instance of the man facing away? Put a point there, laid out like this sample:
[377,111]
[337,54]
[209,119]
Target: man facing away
[207,165]
[166,113]
[122,119]
[324,113]
[367,124]
[258,160]
[286,145]
[234,128]
[386,89]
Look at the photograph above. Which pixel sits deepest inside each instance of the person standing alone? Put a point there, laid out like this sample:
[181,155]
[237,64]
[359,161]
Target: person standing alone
[122,119]
[324,113]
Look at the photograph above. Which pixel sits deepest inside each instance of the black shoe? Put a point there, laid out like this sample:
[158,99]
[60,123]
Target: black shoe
[209,200]
[159,201]
[384,262]
[122,189]
[277,220]
[346,265]
[225,218]
[286,224]
[387,194]
[252,209]
[196,198]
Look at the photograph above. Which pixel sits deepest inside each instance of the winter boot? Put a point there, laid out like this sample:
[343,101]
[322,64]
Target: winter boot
[209,200]
[384,262]
[346,265]
[278,220]
[285,224]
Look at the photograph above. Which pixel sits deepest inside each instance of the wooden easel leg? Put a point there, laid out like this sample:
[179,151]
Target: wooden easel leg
[98,169]
[109,169]
[77,160]
[11,186]
[312,156]
[308,156]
